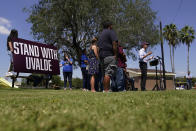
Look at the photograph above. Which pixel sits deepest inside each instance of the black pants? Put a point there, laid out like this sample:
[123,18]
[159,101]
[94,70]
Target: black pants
[67,75]
[99,80]
[86,79]
[143,68]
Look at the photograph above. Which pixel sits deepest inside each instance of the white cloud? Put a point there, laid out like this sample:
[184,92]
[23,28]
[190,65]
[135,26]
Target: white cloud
[4,21]
[4,30]
[5,24]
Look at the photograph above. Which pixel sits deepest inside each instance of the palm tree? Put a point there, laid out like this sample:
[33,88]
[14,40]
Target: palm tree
[171,34]
[187,35]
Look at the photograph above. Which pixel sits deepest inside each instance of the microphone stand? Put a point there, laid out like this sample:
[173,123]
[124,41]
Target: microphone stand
[156,85]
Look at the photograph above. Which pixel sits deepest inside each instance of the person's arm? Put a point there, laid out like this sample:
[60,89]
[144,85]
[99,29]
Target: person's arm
[95,51]
[150,58]
[149,53]
[61,64]
[114,39]
[143,55]
[115,48]
[70,61]
[10,46]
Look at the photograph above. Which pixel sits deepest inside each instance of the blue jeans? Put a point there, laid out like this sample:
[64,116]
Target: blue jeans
[120,79]
[67,75]
[189,81]
[85,78]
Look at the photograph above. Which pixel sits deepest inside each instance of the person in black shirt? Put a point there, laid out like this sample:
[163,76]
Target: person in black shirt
[108,53]
[13,35]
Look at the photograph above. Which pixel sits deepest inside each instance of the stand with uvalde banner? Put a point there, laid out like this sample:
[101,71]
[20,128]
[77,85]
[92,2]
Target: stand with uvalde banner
[33,57]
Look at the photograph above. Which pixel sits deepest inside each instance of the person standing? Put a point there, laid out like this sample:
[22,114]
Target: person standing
[143,59]
[120,74]
[189,80]
[13,35]
[67,70]
[93,63]
[99,80]
[84,62]
[108,53]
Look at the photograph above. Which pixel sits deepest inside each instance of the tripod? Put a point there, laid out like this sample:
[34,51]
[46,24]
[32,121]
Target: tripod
[155,62]
[156,87]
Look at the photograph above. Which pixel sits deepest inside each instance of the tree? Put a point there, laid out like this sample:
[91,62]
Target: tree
[71,24]
[187,36]
[171,34]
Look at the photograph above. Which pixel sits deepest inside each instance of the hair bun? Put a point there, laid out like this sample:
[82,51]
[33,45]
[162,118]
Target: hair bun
[94,40]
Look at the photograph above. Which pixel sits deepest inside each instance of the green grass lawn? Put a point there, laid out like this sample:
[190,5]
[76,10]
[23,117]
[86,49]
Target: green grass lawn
[45,110]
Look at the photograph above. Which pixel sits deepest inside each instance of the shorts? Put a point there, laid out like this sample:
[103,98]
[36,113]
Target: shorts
[109,65]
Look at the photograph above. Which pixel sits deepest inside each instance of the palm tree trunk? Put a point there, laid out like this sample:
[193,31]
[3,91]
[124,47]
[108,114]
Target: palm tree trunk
[173,69]
[173,60]
[188,68]
[171,56]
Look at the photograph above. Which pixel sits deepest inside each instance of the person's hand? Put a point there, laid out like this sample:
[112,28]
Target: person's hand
[12,50]
[150,52]
[115,57]
[151,57]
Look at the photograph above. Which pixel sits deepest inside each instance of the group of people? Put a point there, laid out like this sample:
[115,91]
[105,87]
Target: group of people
[104,67]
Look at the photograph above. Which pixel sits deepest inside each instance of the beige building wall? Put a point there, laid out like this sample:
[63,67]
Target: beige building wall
[151,83]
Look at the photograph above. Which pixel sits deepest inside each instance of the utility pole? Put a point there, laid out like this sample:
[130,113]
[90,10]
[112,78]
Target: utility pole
[162,52]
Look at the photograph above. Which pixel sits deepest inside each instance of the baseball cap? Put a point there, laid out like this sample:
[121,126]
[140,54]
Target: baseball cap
[145,43]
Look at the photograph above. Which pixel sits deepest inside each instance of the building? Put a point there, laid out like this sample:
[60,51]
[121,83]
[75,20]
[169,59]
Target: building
[151,78]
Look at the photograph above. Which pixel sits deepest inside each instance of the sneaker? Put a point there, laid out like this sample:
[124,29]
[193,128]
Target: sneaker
[65,89]
[70,88]
[8,74]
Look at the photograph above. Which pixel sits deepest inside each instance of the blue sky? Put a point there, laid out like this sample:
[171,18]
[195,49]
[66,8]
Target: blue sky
[168,11]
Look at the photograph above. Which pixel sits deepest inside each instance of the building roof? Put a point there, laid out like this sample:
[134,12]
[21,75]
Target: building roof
[151,72]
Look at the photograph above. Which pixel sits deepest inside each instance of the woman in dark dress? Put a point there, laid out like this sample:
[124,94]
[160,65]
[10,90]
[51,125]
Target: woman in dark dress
[93,63]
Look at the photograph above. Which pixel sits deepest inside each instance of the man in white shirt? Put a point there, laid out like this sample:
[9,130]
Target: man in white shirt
[189,80]
[143,59]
